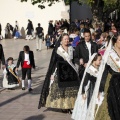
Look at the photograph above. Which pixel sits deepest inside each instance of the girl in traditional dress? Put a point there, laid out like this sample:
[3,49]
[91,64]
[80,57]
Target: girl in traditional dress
[10,81]
[110,109]
[87,88]
[90,78]
[60,90]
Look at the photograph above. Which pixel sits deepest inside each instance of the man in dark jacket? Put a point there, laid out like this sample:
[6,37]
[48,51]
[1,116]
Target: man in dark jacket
[50,29]
[84,51]
[26,58]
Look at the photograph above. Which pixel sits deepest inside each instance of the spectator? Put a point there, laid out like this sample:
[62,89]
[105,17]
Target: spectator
[39,36]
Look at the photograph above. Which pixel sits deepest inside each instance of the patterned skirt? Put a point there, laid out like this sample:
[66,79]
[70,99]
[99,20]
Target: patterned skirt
[62,98]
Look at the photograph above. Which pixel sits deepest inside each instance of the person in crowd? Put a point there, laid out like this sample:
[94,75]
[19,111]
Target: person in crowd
[16,31]
[50,29]
[91,29]
[65,25]
[93,37]
[61,88]
[105,45]
[54,40]
[82,28]
[72,34]
[6,32]
[9,30]
[39,36]
[77,23]
[76,40]
[11,79]
[57,25]
[48,42]
[109,109]
[26,58]
[29,29]
[83,52]
[88,89]
[98,30]
[0,31]
[114,30]
[101,41]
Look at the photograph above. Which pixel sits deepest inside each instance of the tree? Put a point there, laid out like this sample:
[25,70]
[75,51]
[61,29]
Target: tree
[41,2]
[108,4]
[98,6]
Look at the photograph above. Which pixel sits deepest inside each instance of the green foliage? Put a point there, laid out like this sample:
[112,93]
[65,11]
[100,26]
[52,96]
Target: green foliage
[108,4]
[40,3]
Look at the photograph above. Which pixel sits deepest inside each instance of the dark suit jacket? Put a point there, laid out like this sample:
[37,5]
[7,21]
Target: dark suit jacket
[81,51]
[2,58]
[22,56]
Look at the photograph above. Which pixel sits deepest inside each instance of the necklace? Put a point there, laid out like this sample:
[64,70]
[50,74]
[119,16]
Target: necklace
[65,48]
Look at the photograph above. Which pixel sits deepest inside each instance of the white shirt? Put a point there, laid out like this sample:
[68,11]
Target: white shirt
[89,48]
[27,58]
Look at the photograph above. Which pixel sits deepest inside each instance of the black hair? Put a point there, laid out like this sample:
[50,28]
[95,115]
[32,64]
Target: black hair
[114,39]
[10,58]
[26,48]
[87,31]
[38,24]
[96,56]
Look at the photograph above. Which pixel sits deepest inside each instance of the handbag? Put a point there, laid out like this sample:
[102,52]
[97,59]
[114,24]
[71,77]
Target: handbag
[40,35]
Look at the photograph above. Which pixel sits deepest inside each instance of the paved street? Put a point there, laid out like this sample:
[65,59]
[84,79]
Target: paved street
[21,105]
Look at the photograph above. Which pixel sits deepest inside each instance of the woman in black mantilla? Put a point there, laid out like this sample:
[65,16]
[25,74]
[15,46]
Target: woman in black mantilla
[110,109]
[61,84]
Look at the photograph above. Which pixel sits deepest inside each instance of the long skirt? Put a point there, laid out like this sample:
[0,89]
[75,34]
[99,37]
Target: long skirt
[62,98]
[81,106]
[110,109]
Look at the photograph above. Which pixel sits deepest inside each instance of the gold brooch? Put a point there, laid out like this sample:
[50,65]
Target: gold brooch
[117,59]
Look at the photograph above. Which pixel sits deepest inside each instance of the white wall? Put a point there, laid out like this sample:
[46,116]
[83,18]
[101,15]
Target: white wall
[12,10]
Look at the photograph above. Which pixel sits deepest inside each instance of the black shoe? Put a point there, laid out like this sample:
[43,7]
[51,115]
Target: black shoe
[30,89]
[37,49]
[23,88]
[11,88]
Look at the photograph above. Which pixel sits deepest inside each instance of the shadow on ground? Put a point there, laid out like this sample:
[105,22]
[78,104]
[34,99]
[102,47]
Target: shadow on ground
[36,90]
[38,117]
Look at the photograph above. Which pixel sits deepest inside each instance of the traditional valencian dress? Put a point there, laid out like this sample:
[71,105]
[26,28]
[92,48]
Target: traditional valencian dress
[63,90]
[110,109]
[89,81]
[89,87]
[10,81]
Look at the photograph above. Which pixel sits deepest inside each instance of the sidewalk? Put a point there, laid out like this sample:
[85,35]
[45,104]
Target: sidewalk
[21,105]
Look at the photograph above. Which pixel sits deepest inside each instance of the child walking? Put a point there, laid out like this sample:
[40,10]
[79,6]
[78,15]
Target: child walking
[47,39]
[26,58]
